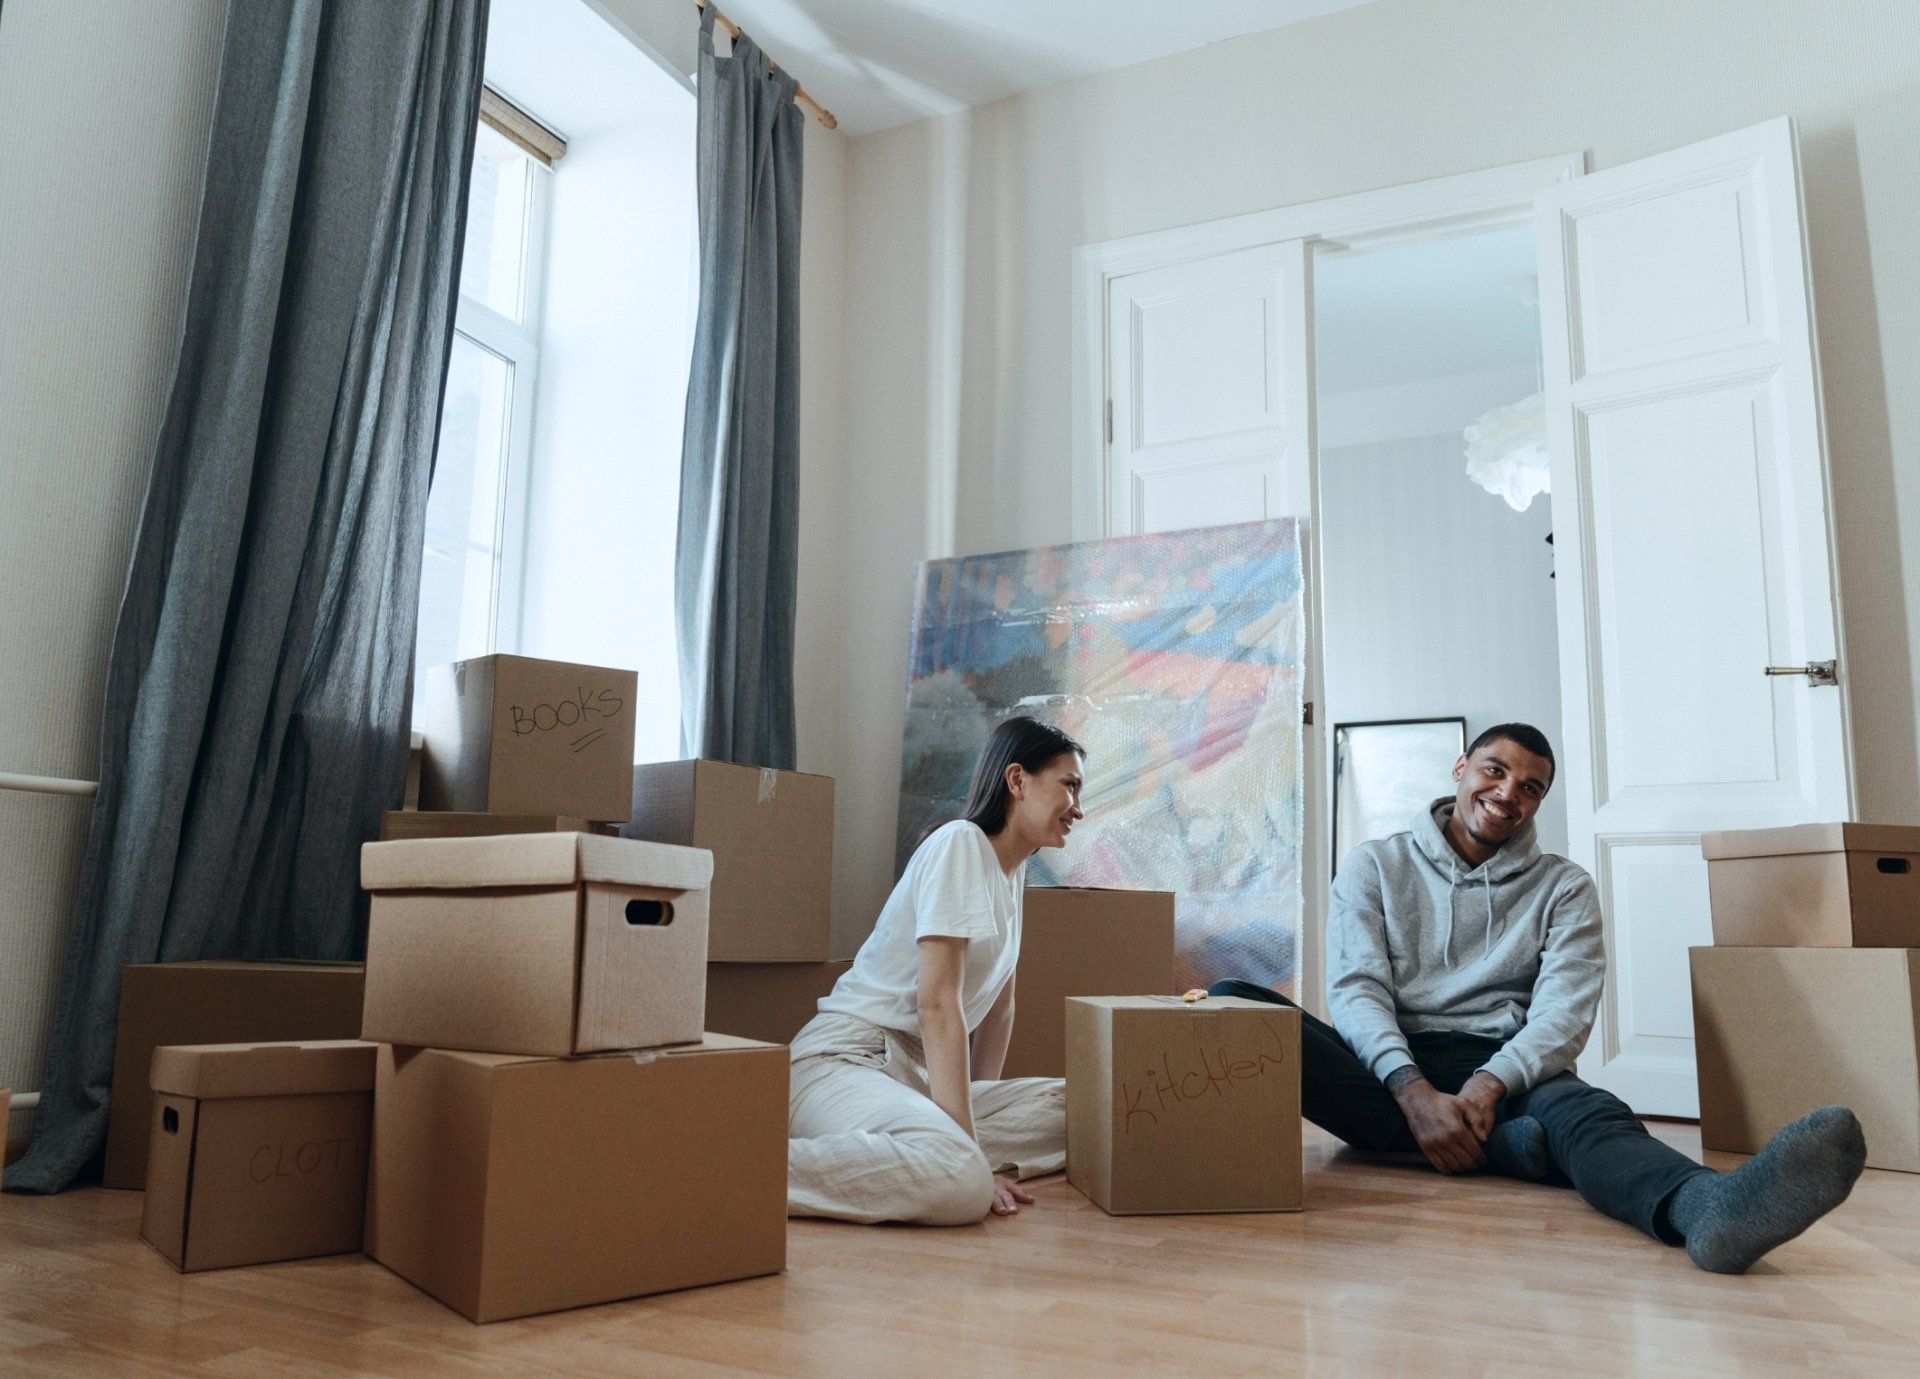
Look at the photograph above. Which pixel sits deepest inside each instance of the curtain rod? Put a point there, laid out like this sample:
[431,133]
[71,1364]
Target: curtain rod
[800,98]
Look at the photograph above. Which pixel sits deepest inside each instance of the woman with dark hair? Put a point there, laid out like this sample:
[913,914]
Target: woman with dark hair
[897,1110]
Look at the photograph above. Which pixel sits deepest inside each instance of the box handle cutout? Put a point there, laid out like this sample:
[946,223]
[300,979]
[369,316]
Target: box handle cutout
[1894,866]
[649,912]
[170,1120]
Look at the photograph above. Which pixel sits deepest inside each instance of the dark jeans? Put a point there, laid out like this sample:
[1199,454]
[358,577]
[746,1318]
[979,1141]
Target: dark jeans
[1596,1142]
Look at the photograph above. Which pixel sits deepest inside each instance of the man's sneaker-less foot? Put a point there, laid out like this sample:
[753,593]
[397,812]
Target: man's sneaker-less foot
[1729,1220]
[1518,1149]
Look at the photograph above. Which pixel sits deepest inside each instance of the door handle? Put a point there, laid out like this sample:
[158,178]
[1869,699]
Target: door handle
[1817,672]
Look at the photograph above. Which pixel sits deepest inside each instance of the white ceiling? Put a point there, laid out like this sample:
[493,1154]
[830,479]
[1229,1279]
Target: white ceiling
[1412,313]
[876,63]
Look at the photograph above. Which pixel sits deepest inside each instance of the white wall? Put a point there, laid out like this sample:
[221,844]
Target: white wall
[1387,93]
[1437,597]
[104,113]
[830,494]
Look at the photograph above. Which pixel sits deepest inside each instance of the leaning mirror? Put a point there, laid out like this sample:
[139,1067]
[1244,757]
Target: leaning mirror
[1385,772]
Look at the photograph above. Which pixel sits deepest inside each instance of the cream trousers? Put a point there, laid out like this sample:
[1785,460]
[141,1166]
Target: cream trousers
[866,1142]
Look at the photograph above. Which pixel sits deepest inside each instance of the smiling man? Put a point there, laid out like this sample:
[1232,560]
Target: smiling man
[1464,968]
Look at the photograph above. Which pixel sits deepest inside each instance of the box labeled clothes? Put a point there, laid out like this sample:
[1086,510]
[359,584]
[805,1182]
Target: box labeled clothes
[258,1151]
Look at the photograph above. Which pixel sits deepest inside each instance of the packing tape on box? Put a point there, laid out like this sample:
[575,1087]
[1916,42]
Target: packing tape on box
[769,782]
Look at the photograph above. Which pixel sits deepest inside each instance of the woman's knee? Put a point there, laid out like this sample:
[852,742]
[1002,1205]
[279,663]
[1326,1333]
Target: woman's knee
[956,1186]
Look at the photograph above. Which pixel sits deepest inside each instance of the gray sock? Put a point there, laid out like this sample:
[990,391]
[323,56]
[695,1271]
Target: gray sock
[1729,1220]
[1518,1148]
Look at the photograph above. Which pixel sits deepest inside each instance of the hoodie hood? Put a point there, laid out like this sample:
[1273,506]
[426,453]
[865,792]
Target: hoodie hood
[1514,856]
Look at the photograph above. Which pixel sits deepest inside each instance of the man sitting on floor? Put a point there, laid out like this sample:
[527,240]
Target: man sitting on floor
[1463,971]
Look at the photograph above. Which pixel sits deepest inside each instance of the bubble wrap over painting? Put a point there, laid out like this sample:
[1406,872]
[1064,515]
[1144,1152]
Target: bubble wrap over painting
[1177,660]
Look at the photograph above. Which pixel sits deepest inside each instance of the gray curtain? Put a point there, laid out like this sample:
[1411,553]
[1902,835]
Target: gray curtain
[736,562]
[257,693]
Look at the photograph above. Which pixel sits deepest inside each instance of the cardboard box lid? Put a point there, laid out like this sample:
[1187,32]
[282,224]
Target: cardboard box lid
[301,1067]
[1798,838]
[323,965]
[531,859]
[1175,1003]
[1096,890]
[711,1044]
[771,776]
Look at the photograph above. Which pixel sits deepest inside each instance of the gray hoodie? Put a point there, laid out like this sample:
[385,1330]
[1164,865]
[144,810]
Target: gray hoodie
[1419,942]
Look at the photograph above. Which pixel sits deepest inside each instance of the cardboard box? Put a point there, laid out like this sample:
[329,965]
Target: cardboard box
[453,823]
[212,1003]
[1815,886]
[1174,1107]
[512,735]
[416,752]
[507,1186]
[259,1151]
[536,943]
[771,836]
[1779,1032]
[1082,943]
[768,1001]
[6,1140]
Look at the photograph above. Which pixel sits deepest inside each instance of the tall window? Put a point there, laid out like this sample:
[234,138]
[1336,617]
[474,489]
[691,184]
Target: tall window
[476,508]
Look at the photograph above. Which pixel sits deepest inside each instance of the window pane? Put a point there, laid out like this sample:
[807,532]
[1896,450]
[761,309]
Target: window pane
[494,260]
[459,569]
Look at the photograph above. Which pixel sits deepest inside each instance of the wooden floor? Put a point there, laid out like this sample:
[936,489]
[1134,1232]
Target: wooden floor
[1392,1269]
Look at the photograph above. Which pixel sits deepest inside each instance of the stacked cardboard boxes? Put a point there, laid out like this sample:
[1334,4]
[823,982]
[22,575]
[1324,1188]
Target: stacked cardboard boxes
[258,1151]
[1810,994]
[536,1116]
[553,1124]
[769,954]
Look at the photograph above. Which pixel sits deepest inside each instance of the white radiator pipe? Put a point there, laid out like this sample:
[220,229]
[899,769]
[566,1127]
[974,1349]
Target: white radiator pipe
[47,785]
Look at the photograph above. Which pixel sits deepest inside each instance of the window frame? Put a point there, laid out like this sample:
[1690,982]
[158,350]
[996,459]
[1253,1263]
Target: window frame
[518,343]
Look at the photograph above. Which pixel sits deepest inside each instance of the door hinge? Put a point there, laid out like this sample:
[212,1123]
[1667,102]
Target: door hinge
[1109,421]
[1817,672]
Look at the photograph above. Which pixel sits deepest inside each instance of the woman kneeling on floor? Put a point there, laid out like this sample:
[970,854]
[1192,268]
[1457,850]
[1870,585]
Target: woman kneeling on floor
[897,1110]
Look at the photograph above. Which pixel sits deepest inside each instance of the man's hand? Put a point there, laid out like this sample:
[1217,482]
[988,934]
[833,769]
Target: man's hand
[1482,1096]
[1440,1124]
[1008,1196]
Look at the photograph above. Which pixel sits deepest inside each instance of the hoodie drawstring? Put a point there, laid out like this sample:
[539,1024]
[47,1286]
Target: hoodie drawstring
[1486,945]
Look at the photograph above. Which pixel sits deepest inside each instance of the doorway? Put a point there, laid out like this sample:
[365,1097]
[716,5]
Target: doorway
[1697,622]
[1436,562]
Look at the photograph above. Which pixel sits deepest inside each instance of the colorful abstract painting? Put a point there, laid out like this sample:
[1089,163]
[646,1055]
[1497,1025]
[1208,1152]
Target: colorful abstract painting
[1177,660]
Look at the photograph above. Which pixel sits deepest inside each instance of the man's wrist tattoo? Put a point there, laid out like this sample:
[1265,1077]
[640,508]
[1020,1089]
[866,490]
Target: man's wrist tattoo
[1403,1077]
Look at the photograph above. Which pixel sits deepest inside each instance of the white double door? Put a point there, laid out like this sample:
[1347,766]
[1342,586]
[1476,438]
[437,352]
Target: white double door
[1690,511]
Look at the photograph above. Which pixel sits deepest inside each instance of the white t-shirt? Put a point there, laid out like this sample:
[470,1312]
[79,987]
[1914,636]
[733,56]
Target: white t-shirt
[953,887]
